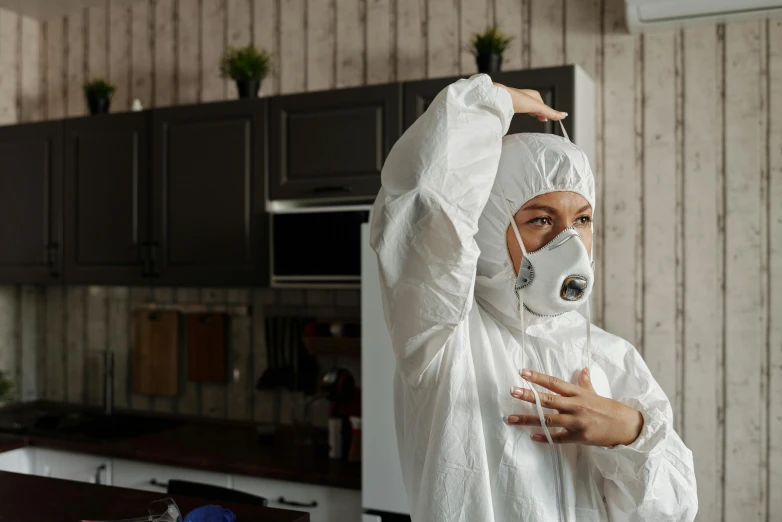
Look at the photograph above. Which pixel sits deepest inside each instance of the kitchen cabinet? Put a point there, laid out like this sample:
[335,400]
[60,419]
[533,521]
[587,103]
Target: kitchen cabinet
[152,477]
[332,143]
[555,85]
[30,203]
[72,466]
[107,199]
[209,222]
[324,504]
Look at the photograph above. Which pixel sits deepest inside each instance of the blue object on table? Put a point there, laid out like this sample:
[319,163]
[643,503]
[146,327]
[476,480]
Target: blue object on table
[210,513]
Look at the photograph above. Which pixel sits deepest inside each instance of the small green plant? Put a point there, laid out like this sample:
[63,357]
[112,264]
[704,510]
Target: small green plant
[100,89]
[491,41]
[245,63]
[6,388]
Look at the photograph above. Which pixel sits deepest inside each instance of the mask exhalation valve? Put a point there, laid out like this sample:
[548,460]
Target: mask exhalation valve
[573,288]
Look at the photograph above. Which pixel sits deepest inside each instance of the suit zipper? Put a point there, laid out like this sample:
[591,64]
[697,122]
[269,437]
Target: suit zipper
[557,463]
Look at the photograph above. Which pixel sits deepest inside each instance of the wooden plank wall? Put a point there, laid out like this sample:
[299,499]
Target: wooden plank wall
[689,173]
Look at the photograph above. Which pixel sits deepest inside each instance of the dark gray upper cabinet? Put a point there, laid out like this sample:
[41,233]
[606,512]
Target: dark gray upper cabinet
[554,84]
[209,224]
[107,199]
[30,210]
[332,143]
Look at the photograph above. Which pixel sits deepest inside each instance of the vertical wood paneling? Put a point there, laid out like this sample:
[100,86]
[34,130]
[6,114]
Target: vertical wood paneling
[32,83]
[509,18]
[165,404]
[212,48]
[136,296]
[266,17]
[262,400]
[190,392]
[96,342]
[379,58]
[55,69]
[9,59]
[187,55]
[410,43]
[745,350]
[74,50]
[164,72]
[292,47]
[350,42]
[141,54]
[213,396]
[775,267]
[118,315]
[621,178]
[96,43]
[321,45]
[547,35]
[120,55]
[443,52]
[241,382]
[9,334]
[702,394]
[74,345]
[56,357]
[659,209]
[476,16]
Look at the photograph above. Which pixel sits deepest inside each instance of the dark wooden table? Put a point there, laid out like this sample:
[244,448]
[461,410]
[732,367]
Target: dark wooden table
[26,498]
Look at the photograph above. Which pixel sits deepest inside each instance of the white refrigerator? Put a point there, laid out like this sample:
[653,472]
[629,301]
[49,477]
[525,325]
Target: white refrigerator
[383,495]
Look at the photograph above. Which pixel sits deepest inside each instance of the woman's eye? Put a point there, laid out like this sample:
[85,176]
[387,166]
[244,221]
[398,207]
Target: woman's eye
[543,221]
[584,220]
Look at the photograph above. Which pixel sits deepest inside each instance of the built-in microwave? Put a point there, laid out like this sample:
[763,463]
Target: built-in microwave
[317,246]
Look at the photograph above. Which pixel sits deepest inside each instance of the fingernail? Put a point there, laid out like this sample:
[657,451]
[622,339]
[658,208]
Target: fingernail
[586,370]
[564,114]
[526,373]
[515,390]
[513,418]
[537,437]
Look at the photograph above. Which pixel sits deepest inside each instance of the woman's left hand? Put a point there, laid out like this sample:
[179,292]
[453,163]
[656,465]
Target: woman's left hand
[587,417]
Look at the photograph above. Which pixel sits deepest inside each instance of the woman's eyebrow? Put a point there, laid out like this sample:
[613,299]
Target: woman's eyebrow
[584,208]
[546,208]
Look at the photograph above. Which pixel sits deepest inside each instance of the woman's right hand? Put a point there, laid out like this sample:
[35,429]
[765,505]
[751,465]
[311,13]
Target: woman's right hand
[528,101]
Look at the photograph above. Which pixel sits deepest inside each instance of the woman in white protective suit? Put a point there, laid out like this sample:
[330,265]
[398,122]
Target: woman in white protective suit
[508,405]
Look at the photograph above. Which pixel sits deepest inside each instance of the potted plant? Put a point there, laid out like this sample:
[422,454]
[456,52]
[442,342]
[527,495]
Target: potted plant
[99,93]
[247,66]
[488,47]
[6,388]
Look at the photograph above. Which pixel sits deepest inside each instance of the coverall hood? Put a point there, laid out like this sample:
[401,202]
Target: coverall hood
[530,165]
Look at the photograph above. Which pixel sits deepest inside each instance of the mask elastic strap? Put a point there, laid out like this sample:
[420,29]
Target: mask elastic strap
[588,310]
[541,416]
[564,132]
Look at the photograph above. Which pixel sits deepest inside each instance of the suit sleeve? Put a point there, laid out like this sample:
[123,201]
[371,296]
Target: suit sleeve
[435,183]
[652,479]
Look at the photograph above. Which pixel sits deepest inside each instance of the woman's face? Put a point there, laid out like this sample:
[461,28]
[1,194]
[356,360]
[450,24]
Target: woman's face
[545,216]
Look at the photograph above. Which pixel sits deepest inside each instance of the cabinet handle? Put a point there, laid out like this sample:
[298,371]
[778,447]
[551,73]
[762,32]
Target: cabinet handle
[312,504]
[156,482]
[53,258]
[334,188]
[100,468]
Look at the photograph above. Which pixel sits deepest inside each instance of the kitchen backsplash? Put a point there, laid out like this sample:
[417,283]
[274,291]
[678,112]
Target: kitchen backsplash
[52,341]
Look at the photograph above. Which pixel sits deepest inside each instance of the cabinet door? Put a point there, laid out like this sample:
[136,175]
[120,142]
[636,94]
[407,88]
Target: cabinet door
[332,143]
[106,198]
[151,477]
[555,85]
[72,466]
[324,504]
[30,203]
[209,216]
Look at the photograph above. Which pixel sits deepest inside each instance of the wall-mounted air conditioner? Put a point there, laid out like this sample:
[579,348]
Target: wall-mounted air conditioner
[644,15]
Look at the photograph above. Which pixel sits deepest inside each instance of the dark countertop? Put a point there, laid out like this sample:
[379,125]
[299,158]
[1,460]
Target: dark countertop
[25,498]
[215,445]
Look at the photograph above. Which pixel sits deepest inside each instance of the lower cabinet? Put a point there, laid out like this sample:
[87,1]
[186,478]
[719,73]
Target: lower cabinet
[151,477]
[71,466]
[324,504]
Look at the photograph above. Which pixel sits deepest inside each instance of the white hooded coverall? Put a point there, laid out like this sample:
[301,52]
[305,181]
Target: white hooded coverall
[438,227]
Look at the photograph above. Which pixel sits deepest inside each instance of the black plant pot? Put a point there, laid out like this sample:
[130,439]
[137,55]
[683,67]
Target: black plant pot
[248,88]
[489,63]
[98,105]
